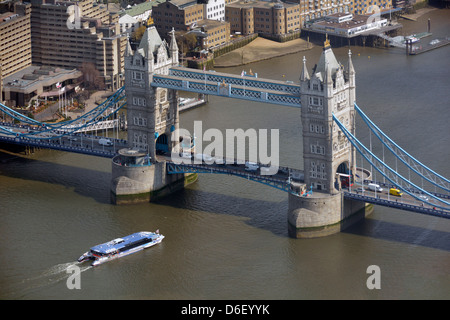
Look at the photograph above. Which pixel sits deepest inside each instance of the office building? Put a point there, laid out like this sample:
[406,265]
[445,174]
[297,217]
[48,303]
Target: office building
[67,34]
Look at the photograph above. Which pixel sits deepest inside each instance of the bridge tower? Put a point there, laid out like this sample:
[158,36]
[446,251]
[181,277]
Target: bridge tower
[328,157]
[152,121]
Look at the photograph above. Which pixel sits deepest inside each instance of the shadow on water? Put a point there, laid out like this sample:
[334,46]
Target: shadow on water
[272,216]
[401,233]
[71,177]
[266,215]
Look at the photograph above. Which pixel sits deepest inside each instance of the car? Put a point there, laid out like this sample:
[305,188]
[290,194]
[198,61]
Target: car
[186,155]
[251,166]
[105,142]
[424,197]
[268,170]
[375,187]
[395,192]
[72,139]
[359,190]
[220,161]
[204,157]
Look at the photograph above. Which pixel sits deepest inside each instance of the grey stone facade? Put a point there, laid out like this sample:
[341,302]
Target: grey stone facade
[152,112]
[326,151]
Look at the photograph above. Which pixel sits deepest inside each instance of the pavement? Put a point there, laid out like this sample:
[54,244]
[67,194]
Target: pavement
[94,100]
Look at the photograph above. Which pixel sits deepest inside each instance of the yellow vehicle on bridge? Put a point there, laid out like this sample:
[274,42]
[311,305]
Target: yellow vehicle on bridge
[395,192]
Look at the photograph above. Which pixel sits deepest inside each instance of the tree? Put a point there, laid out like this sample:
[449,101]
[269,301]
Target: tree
[186,42]
[91,77]
[137,35]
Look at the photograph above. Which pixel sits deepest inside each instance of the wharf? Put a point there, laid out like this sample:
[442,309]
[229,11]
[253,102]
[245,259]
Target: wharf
[441,43]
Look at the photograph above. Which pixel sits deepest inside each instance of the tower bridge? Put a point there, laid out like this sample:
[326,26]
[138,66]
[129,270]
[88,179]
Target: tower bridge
[327,195]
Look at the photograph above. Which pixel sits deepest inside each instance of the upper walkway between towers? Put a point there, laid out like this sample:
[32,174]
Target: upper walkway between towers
[248,87]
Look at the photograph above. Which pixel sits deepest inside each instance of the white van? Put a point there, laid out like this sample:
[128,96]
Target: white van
[204,157]
[251,166]
[105,142]
[374,187]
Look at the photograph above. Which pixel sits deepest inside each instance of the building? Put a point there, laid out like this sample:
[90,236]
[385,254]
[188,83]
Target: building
[346,24]
[135,16]
[330,90]
[65,34]
[264,17]
[15,39]
[211,33]
[153,124]
[316,9]
[215,10]
[369,7]
[38,82]
[152,112]
[128,24]
[177,14]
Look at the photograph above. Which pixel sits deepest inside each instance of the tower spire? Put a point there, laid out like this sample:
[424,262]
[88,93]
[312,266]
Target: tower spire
[351,69]
[128,50]
[305,75]
[326,44]
[173,47]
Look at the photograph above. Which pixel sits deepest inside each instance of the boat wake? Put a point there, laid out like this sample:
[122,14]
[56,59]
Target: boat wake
[60,271]
[48,278]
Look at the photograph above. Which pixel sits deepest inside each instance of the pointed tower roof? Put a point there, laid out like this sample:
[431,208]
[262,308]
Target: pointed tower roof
[327,58]
[350,68]
[150,42]
[173,41]
[328,78]
[128,50]
[305,75]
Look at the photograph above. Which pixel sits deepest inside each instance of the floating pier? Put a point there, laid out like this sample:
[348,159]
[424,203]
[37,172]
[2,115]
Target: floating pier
[437,43]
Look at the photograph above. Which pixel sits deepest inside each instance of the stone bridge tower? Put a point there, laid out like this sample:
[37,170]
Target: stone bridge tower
[329,90]
[153,123]
[329,158]
[152,112]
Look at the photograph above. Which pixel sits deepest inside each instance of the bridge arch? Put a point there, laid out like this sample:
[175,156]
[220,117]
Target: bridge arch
[162,143]
[344,175]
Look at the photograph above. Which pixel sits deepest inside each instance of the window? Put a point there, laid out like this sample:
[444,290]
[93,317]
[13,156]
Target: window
[137,75]
[139,101]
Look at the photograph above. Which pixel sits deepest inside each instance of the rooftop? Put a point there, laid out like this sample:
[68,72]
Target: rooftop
[141,8]
[27,79]
[260,4]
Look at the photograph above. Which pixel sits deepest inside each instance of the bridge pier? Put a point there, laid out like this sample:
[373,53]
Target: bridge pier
[135,179]
[323,214]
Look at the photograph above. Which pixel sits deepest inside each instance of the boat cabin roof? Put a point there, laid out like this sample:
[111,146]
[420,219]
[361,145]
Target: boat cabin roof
[119,243]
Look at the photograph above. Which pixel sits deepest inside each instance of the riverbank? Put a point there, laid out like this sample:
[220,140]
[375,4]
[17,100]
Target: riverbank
[417,14]
[260,49]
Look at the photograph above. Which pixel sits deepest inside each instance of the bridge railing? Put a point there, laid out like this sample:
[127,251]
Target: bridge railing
[434,211]
[52,144]
[391,175]
[417,167]
[228,90]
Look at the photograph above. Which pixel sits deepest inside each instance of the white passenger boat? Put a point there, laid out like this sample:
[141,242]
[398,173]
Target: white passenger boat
[121,247]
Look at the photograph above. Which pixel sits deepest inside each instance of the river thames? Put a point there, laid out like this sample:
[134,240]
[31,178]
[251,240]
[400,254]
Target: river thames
[226,238]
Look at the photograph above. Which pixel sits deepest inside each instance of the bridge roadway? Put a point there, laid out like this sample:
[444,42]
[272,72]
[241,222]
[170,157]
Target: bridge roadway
[245,87]
[38,137]
[285,178]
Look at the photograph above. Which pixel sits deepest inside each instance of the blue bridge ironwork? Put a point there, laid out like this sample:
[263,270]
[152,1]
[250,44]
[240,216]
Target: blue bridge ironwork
[232,86]
[63,136]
